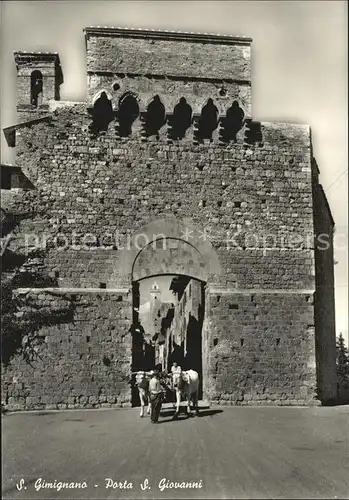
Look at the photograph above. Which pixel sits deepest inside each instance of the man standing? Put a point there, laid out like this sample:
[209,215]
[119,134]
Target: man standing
[156,396]
[176,368]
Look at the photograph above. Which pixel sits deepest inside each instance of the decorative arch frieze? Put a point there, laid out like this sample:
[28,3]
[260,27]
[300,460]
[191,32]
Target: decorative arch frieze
[217,118]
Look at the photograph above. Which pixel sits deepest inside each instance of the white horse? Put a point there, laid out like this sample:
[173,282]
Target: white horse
[186,384]
[142,383]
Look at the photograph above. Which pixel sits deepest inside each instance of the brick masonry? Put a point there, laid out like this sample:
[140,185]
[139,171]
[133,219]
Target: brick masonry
[236,198]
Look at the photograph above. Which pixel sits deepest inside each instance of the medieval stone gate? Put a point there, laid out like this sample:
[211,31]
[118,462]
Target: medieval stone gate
[170,252]
[166,145]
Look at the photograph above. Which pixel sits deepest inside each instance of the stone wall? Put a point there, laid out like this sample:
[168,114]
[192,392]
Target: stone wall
[85,363]
[324,296]
[242,200]
[233,196]
[168,256]
[260,348]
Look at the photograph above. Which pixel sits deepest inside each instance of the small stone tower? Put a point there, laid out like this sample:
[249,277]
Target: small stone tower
[155,303]
[39,76]
[155,292]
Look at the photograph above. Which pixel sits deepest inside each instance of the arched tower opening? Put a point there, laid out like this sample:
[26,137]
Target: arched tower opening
[168,277]
[36,88]
[232,122]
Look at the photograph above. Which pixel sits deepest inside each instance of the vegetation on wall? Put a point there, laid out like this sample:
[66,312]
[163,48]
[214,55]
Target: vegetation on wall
[24,313]
[342,364]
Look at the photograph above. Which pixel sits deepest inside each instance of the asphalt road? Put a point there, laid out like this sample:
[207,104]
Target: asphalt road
[240,452]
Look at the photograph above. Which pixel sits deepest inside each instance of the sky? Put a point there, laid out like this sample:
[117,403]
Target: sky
[164,295]
[299,71]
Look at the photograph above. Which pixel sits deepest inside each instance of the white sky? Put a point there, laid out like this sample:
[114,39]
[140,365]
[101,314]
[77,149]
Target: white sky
[299,70]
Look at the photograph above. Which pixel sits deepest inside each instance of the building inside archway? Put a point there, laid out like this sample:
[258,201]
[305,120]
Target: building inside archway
[171,314]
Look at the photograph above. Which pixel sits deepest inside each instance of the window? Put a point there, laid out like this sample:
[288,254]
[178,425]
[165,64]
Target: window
[102,114]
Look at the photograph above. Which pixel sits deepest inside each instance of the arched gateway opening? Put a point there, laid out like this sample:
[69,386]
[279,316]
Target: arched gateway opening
[172,266]
[168,317]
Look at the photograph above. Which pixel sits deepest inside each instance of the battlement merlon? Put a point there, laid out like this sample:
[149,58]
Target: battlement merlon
[169,54]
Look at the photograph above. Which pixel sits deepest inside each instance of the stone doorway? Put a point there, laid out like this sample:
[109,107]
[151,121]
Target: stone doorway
[168,318]
[174,249]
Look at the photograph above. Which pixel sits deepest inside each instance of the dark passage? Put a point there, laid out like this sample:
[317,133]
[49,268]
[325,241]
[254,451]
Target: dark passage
[170,332]
[35,88]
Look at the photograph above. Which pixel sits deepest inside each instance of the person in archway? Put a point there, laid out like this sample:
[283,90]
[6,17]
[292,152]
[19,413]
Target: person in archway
[156,394]
[175,368]
[164,380]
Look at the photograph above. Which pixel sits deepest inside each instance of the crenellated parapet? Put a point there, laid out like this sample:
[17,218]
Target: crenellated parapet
[184,121]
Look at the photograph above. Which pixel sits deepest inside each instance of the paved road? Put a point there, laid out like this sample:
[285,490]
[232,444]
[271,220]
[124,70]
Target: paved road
[240,452]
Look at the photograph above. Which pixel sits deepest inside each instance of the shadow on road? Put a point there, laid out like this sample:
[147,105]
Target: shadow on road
[209,413]
[184,416]
[41,413]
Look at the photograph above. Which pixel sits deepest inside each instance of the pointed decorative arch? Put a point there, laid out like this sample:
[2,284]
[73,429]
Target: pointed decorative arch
[233,122]
[181,119]
[155,116]
[163,236]
[102,112]
[98,95]
[208,121]
[128,113]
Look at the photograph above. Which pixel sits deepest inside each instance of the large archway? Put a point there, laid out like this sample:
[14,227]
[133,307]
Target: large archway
[168,321]
[169,277]
[172,247]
